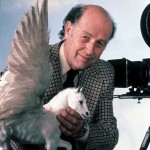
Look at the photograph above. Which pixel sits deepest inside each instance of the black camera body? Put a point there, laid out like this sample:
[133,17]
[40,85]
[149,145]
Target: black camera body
[131,73]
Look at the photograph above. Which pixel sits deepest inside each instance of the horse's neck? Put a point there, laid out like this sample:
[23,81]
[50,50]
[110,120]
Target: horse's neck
[58,102]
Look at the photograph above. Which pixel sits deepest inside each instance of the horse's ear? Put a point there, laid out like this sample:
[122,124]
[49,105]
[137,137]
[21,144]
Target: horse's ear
[79,89]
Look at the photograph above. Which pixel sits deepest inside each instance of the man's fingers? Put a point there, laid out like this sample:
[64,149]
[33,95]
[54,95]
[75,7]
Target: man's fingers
[73,113]
[65,131]
[70,116]
[66,122]
[70,122]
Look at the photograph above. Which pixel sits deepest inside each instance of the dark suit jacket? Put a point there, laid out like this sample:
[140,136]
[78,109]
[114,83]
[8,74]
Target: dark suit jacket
[98,86]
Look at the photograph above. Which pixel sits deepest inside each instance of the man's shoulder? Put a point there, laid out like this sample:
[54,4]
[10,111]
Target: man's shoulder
[54,50]
[56,45]
[102,65]
[100,68]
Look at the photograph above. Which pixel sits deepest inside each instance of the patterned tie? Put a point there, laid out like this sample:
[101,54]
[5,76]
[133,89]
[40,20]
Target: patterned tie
[70,77]
[69,83]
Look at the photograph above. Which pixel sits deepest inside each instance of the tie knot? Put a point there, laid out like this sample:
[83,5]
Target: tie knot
[72,73]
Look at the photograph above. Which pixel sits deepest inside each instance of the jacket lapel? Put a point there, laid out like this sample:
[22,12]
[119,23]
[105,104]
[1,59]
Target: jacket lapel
[91,83]
[55,84]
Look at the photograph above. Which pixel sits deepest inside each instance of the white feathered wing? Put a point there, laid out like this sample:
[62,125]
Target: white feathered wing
[29,70]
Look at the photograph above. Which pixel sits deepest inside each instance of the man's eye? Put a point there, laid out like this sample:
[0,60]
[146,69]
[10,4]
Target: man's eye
[100,44]
[85,38]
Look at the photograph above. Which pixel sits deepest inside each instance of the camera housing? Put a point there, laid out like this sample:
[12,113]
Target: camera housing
[133,74]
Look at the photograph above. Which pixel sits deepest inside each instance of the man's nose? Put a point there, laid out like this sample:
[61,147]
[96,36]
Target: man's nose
[90,48]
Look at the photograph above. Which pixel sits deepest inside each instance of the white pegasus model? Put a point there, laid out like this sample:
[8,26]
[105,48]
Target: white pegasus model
[22,113]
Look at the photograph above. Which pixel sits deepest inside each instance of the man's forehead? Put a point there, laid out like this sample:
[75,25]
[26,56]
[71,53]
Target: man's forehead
[95,8]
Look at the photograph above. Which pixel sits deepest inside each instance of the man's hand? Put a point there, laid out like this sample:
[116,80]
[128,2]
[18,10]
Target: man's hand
[71,122]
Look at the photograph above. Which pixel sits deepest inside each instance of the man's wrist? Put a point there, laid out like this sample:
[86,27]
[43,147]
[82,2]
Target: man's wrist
[83,135]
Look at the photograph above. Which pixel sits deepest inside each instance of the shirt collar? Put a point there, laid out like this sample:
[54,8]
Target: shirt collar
[64,65]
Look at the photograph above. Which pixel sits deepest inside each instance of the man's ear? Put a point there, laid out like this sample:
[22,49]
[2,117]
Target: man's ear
[68,27]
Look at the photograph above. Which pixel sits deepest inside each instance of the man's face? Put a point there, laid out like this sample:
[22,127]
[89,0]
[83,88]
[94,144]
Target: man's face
[86,39]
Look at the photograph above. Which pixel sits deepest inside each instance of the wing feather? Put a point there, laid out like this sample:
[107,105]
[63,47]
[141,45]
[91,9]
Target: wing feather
[29,70]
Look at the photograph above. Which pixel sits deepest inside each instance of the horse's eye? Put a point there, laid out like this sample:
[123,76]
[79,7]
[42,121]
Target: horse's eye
[81,102]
